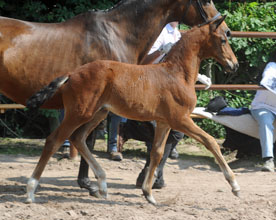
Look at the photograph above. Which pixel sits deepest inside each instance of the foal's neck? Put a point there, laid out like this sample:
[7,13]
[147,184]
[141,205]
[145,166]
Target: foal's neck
[186,55]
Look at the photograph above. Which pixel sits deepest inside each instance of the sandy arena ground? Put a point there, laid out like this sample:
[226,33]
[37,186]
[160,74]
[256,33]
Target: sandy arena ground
[196,189]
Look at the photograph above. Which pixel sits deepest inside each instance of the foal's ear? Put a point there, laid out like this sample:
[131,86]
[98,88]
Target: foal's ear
[218,22]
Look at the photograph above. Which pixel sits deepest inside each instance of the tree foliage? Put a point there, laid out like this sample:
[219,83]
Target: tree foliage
[252,53]
[50,11]
[242,15]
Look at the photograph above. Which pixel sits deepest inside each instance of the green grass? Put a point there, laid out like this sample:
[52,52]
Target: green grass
[20,146]
[188,148]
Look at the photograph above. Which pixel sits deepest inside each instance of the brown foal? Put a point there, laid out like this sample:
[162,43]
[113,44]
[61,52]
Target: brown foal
[33,54]
[162,92]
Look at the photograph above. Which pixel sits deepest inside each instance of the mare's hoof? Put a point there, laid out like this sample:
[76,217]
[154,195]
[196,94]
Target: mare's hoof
[91,187]
[103,194]
[96,194]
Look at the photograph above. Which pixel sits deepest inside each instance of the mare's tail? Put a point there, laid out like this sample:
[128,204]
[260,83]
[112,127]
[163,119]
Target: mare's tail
[36,100]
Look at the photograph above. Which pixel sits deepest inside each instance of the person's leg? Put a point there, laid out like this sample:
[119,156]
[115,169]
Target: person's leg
[112,136]
[265,119]
[65,148]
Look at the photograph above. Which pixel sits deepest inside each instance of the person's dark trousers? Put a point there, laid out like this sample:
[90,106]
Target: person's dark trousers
[173,139]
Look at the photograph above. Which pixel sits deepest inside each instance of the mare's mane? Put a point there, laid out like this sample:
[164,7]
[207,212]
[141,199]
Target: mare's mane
[116,6]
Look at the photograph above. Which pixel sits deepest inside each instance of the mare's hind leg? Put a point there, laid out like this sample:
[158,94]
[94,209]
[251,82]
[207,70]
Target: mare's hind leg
[78,138]
[53,142]
[160,137]
[189,128]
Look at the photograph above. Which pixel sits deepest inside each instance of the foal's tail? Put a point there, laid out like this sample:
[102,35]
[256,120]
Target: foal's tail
[36,100]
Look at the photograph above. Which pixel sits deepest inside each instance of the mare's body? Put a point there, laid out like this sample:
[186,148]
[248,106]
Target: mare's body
[162,92]
[33,54]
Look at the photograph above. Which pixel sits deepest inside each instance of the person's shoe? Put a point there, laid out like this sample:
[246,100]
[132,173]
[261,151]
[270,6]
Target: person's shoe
[117,156]
[121,137]
[174,154]
[268,165]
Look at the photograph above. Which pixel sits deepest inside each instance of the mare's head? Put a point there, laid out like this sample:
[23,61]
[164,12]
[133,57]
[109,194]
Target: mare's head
[195,12]
[216,45]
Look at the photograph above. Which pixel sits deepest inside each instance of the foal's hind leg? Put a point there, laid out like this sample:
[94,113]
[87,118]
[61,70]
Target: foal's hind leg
[53,142]
[78,138]
[189,128]
[156,154]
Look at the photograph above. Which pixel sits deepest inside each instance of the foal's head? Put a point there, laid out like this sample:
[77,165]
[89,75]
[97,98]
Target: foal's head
[217,46]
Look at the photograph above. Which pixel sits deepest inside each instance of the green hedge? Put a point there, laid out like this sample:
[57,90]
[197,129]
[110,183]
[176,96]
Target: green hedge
[252,53]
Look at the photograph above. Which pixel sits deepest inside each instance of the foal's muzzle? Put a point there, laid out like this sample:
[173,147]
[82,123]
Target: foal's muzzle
[231,67]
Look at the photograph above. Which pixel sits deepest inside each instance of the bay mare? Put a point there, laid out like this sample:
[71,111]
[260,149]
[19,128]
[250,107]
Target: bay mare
[33,54]
[162,92]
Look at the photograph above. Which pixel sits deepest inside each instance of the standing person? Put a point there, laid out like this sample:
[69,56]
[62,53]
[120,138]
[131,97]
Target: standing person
[263,110]
[144,131]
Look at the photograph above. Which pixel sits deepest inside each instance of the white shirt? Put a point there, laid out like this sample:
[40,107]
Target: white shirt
[167,35]
[267,98]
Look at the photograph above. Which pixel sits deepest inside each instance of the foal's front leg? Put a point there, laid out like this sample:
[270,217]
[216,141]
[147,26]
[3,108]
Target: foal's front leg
[160,137]
[189,128]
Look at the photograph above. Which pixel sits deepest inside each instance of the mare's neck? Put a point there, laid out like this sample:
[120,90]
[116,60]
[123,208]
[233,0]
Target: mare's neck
[139,23]
[185,57]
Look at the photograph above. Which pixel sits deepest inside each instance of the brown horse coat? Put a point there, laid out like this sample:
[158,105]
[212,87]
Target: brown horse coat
[33,54]
[162,92]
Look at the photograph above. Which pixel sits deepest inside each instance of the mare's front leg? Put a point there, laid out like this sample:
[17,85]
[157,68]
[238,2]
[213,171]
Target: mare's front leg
[188,127]
[160,137]
[78,138]
[53,142]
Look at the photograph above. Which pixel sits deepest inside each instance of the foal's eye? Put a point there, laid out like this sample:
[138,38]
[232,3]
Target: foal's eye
[228,34]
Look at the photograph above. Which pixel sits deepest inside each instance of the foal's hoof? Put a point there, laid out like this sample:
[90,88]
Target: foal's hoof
[91,187]
[236,193]
[149,198]
[29,201]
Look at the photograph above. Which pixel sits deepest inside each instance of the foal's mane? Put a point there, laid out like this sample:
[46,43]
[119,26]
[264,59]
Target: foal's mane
[187,38]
